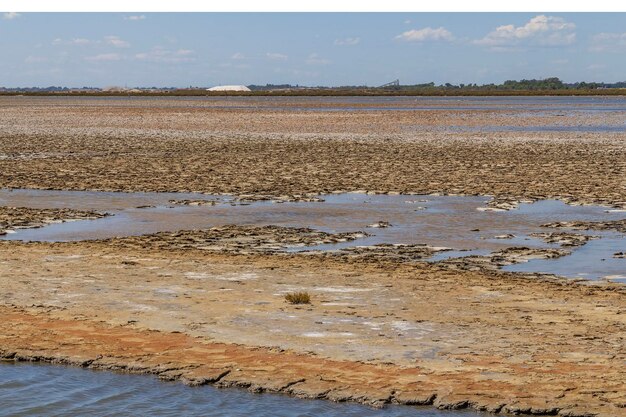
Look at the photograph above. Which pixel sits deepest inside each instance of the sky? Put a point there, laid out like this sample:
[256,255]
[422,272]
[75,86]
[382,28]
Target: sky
[330,49]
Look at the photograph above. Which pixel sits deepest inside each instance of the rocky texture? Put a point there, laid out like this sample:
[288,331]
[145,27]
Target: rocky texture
[375,332]
[187,202]
[505,236]
[390,252]
[618,225]
[293,198]
[180,145]
[235,239]
[252,198]
[564,238]
[381,224]
[504,203]
[12,218]
[498,259]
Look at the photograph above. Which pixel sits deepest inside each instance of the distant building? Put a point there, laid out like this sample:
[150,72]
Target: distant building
[113,89]
[229,88]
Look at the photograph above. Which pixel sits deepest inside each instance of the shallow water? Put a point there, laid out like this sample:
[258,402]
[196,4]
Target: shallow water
[455,222]
[586,262]
[543,128]
[35,390]
[376,103]
[574,109]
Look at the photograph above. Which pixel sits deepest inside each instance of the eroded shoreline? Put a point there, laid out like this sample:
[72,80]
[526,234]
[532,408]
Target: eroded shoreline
[485,353]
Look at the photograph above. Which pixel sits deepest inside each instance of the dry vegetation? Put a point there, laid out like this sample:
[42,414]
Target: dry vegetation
[298,298]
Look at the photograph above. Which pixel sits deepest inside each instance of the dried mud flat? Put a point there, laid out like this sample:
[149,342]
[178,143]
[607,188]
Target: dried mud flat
[169,145]
[207,307]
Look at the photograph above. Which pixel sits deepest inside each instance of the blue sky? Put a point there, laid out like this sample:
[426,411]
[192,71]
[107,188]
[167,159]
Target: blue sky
[205,49]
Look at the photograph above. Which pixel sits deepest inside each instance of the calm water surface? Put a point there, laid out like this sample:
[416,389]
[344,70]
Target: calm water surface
[547,103]
[456,222]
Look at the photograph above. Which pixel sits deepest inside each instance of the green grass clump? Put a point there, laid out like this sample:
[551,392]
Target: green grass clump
[298,298]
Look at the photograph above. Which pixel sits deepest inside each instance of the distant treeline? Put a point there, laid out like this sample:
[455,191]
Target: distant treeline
[547,86]
[509,85]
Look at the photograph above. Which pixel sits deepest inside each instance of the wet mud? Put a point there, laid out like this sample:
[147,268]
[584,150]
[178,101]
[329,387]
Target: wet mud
[12,218]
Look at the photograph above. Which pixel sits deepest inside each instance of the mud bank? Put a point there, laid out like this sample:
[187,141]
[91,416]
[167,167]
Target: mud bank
[235,239]
[424,334]
[12,218]
[173,356]
[618,225]
[179,357]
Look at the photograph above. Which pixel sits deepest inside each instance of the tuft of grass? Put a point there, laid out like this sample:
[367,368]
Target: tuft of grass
[298,298]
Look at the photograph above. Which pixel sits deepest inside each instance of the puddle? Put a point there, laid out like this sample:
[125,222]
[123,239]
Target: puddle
[65,391]
[456,222]
[591,261]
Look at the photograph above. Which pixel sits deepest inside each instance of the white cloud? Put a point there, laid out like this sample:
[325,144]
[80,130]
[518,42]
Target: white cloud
[31,59]
[236,66]
[274,56]
[10,16]
[596,67]
[611,42]
[159,54]
[80,41]
[238,55]
[116,42]
[347,41]
[103,57]
[315,59]
[297,72]
[139,17]
[426,34]
[74,41]
[539,31]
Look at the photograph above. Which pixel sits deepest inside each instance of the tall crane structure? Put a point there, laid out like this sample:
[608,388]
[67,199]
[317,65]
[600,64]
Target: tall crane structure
[394,83]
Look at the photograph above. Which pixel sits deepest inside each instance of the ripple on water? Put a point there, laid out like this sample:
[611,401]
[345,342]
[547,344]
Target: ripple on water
[35,390]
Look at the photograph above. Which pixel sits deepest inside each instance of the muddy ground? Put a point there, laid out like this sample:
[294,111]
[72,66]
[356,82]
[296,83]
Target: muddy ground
[407,333]
[169,145]
[383,326]
[12,218]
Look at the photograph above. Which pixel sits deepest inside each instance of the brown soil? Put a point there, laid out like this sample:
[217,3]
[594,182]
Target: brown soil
[166,146]
[377,331]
